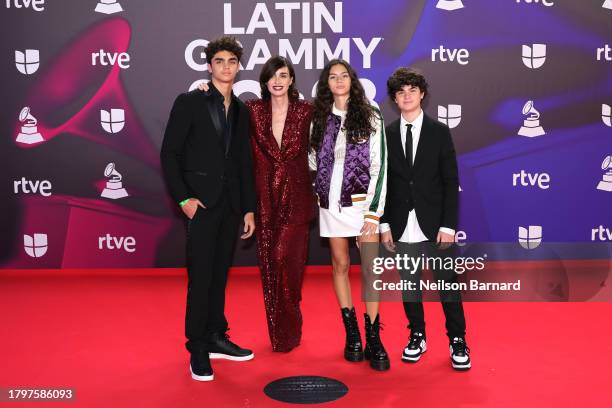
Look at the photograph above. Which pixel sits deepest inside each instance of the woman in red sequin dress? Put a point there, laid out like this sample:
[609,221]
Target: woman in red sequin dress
[279,127]
[280,124]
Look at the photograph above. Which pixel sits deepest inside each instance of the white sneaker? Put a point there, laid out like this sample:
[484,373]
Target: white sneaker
[460,354]
[415,348]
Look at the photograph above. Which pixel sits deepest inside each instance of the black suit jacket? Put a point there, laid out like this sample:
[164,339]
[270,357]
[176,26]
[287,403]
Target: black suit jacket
[195,158]
[432,182]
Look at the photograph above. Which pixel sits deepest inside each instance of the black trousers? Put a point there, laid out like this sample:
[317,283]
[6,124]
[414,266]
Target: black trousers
[450,299]
[211,239]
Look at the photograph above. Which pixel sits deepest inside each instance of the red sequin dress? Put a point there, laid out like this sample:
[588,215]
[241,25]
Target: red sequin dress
[285,208]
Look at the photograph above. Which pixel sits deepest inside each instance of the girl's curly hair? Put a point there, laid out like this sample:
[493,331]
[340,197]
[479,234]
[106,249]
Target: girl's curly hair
[358,122]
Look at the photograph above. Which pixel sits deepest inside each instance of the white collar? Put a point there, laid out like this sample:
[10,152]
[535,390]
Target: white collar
[337,111]
[416,124]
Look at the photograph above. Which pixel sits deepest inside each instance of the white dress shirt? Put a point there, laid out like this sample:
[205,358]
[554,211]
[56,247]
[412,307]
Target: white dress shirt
[412,231]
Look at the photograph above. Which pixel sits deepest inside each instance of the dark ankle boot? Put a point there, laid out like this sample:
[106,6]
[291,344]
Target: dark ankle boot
[374,350]
[353,350]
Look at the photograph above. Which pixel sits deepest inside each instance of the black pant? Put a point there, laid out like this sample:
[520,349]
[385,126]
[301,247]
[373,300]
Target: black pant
[211,238]
[450,299]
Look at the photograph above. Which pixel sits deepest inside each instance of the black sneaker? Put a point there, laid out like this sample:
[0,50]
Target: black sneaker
[220,346]
[460,354]
[200,367]
[415,348]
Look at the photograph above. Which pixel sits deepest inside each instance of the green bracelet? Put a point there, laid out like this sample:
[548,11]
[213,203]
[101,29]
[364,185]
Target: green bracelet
[182,203]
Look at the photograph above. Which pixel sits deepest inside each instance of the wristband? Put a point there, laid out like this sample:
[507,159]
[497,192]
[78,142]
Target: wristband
[182,203]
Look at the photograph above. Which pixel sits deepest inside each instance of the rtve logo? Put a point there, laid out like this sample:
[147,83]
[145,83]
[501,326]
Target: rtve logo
[460,237]
[36,245]
[27,62]
[105,58]
[530,237]
[603,53]
[534,56]
[443,54]
[450,115]
[32,187]
[449,5]
[127,244]
[601,233]
[37,5]
[113,120]
[547,3]
[541,180]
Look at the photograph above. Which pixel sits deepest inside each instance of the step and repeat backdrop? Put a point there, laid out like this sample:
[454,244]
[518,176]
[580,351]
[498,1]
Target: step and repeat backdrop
[87,85]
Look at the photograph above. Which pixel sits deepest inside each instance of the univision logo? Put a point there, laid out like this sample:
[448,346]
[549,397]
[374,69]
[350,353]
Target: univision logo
[27,62]
[450,115]
[112,121]
[534,56]
[530,237]
[36,245]
[606,114]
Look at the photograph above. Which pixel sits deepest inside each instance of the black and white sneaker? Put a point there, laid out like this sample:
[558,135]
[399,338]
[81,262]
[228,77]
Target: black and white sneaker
[220,346]
[415,348]
[460,354]
[200,368]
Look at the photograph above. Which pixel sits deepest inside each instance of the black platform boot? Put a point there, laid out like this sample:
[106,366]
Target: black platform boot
[353,349]
[374,350]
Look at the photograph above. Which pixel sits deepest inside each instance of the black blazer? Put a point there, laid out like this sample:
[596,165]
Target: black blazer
[432,182]
[194,157]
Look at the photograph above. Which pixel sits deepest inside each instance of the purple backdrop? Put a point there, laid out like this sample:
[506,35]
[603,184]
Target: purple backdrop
[99,79]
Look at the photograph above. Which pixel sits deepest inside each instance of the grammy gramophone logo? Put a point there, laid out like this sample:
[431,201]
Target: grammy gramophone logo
[114,187]
[449,5]
[531,126]
[108,7]
[29,130]
[606,183]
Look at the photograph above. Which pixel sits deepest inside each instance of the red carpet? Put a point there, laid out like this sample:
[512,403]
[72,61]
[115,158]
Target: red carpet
[118,340]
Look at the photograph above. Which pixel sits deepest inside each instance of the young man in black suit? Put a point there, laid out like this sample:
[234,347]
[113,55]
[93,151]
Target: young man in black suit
[421,205]
[207,162]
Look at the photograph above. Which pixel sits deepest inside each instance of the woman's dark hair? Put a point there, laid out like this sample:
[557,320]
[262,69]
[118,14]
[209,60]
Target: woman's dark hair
[269,69]
[402,77]
[223,44]
[358,122]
